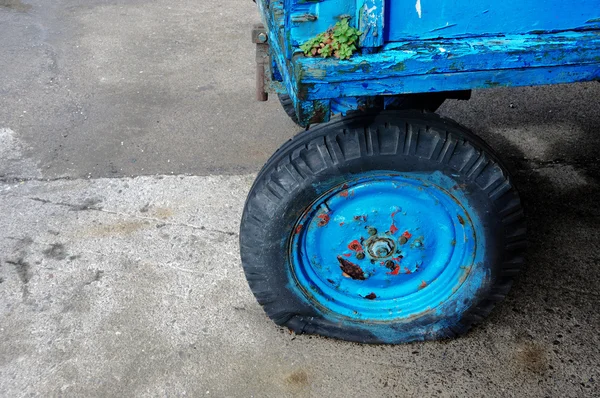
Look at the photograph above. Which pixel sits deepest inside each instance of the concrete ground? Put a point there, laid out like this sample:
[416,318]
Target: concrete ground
[129,137]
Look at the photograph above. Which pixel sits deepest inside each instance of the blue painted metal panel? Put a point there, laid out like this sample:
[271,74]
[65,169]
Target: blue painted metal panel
[433,65]
[425,19]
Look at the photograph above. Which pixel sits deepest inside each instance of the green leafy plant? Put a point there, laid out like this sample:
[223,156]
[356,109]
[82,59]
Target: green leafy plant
[339,42]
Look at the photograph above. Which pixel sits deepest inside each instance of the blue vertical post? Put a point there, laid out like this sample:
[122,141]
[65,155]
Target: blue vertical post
[370,21]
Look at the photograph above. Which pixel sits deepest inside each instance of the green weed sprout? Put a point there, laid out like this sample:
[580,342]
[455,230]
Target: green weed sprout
[339,42]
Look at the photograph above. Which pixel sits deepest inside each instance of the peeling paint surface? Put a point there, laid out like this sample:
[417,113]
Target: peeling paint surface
[445,65]
[410,20]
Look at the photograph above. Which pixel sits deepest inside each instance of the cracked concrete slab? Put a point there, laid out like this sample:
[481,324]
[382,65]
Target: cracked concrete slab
[114,287]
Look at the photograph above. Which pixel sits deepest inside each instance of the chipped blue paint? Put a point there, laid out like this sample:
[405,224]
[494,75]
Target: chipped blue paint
[371,23]
[460,81]
[479,47]
[417,241]
[456,55]
[307,19]
[485,17]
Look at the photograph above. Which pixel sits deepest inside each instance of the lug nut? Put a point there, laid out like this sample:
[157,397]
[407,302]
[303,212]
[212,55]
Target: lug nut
[372,231]
[360,255]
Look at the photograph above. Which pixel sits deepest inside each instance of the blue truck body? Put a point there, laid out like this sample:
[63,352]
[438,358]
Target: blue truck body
[426,46]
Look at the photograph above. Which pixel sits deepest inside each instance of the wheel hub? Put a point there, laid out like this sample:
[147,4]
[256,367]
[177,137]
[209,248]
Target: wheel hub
[380,247]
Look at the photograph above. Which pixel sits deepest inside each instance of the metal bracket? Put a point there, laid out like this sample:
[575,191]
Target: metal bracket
[260,38]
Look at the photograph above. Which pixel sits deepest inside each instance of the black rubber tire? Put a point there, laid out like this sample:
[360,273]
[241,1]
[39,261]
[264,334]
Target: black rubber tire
[322,156]
[288,106]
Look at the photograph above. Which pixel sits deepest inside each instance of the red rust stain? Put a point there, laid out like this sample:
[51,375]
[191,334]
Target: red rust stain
[407,235]
[324,219]
[461,220]
[393,228]
[345,191]
[396,270]
[298,229]
[360,218]
[422,285]
[399,258]
[355,246]
[407,271]
[351,269]
[341,224]
[371,296]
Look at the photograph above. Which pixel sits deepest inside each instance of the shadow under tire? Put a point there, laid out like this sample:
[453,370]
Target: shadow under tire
[425,102]
[382,228]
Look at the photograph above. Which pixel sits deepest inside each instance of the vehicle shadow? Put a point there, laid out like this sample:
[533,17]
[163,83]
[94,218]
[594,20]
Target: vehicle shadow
[549,139]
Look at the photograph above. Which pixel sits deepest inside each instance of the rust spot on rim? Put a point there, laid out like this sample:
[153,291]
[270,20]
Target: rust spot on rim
[355,246]
[352,270]
[324,219]
[345,191]
[460,219]
[393,228]
[423,285]
[395,271]
[371,296]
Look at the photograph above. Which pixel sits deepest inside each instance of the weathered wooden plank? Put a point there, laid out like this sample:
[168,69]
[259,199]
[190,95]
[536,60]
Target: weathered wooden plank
[371,22]
[308,18]
[458,55]
[456,81]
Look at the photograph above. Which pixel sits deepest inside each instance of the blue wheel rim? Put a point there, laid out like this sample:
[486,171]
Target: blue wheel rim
[386,246]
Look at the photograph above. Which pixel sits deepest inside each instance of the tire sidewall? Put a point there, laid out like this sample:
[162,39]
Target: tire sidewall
[276,232]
